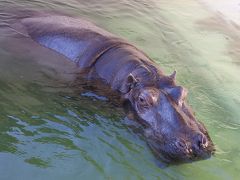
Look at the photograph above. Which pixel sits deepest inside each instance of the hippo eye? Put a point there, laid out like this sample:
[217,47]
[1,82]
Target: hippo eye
[142,101]
[177,93]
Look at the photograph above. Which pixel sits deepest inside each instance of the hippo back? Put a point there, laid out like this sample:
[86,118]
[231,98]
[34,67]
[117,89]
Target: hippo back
[79,40]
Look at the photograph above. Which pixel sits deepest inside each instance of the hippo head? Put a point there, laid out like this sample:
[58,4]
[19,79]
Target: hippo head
[171,130]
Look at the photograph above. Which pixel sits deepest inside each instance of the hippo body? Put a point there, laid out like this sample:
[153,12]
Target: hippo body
[171,130]
[87,45]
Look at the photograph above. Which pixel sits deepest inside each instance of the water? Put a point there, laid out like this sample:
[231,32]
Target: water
[49,131]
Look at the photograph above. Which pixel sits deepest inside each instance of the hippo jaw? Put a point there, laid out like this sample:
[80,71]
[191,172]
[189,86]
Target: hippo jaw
[171,130]
[175,150]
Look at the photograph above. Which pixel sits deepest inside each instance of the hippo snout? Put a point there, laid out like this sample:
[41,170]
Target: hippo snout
[196,148]
[181,148]
[202,148]
[200,142]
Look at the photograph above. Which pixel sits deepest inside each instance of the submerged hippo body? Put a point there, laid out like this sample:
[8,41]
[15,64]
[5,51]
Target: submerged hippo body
[170,128]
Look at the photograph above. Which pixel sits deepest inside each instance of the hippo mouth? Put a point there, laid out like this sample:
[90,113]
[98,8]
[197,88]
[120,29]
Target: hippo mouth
[178,153]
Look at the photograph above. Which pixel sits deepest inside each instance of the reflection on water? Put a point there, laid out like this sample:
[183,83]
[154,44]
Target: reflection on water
[48,131]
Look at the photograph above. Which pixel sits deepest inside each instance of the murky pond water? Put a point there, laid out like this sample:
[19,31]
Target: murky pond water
[49,131]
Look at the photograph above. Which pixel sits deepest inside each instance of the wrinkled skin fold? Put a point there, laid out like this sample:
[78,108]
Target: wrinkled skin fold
[170,128]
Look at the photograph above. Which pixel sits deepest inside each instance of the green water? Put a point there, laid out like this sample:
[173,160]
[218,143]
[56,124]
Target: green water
[49,131]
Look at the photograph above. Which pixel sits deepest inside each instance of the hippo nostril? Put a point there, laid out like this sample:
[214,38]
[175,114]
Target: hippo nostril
[181,144]
[204,142]
[201,141]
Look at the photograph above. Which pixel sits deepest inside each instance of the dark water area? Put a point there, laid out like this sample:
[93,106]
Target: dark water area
[50,130]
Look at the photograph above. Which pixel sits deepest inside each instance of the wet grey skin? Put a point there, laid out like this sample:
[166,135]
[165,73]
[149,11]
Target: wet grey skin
[170,128]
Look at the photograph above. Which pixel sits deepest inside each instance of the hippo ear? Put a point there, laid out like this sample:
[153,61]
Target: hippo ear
[177,93]
[173,75]
[128,84]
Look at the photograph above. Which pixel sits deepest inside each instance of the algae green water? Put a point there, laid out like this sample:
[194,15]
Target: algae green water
[47,131]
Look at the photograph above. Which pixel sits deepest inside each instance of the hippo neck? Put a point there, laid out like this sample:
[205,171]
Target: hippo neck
[115,65]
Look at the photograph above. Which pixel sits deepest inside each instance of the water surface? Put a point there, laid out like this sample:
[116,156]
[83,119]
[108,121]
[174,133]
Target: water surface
[49,131]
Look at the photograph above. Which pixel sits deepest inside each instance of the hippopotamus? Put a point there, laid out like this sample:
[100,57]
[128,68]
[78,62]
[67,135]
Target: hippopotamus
[169,125]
